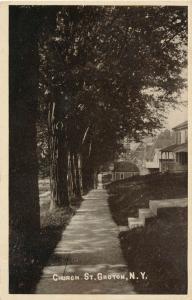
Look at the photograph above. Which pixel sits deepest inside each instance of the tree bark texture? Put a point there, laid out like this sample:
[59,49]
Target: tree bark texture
[24,210]
[87,174]
[59,163]
[78,180]
[73,174]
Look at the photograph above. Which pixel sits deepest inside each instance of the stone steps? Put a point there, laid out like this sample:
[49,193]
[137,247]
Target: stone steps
[123,228]
[156,204]
[135,222]
[145,214]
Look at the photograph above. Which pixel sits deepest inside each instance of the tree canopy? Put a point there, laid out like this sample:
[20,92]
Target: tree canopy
[113,71]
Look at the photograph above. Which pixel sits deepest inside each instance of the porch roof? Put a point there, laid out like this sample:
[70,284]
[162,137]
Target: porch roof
[181,126]
[175,148]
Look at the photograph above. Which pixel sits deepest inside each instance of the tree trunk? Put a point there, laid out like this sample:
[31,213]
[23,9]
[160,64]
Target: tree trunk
[95,179]
[78,176]
[24,210]
[58,161]
[70,178]
[73,174]
[87,174]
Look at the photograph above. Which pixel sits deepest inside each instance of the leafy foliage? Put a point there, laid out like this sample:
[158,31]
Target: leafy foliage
[113,71]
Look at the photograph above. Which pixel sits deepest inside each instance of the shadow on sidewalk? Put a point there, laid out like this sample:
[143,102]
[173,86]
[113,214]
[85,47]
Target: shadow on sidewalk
[23,278]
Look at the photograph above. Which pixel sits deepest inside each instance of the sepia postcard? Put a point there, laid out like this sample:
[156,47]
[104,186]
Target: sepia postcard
[95,149]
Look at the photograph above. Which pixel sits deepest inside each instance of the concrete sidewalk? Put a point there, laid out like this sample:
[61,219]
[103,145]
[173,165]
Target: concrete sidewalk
[88,258]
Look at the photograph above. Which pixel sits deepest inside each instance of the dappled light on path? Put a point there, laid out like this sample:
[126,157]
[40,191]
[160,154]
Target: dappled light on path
[88,257]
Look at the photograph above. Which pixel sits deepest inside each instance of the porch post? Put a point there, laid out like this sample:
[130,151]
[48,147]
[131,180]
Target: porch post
[161,162]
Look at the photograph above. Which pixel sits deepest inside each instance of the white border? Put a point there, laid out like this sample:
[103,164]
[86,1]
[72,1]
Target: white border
[4,150]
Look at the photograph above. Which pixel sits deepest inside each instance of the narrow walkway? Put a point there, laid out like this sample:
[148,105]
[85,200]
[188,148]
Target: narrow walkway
[88,252]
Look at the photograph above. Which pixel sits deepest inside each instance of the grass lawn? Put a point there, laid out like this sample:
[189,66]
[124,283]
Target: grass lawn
[52,225]
[160,248]
[26,275]
[52,222]
[128,195]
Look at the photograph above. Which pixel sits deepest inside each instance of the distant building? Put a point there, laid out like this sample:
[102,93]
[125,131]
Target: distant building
[147,154]
[123,170]
[174,158]
[153,165]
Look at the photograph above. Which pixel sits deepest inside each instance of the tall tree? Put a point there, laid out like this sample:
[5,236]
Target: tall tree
[23,198]
[62,56]
[112,71]
[24,23]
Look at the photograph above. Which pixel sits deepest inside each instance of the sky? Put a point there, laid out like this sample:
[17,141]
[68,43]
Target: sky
[179,115]
[174,117]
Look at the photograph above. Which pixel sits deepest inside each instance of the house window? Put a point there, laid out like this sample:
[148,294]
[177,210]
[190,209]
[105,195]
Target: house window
[122,175]
[178,137]
[186,136]
[182,158]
